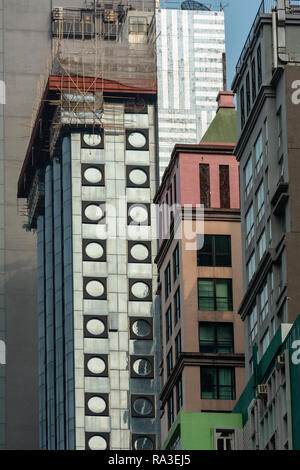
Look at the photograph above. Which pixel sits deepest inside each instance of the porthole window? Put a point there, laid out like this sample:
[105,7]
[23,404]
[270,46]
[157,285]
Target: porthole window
[141,329]
[94,288]
[142,406]
[138,214]
[95,326]
[137,176]
[95,365]
[142,367]
[143,443]
[140,290]
[137,139]
[96,405]
[93,140]
[96,441]
[93,212]
[92,174]
[139,252]
[93,250]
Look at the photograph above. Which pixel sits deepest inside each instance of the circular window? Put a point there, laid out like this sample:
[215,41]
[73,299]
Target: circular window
[138,177]
[139,214]
[143,443]
[95,327]
[137,139]
[96,365]
[95,288]
[142,406]
[97,443]
[92,139]
[141,328]
[96,405]
[94,250]
[93,175]
[93,212]
[142,367]
[140,290]
[139,252]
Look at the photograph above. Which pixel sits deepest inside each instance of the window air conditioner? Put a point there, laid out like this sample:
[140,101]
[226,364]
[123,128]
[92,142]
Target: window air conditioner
[58,13]
[262,391]
[280,361]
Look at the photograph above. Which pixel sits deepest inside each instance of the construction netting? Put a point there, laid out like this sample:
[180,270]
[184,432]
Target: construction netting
[128,64]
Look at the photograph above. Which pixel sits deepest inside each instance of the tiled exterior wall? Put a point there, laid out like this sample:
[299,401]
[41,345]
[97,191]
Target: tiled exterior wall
[108,364]
[189,75]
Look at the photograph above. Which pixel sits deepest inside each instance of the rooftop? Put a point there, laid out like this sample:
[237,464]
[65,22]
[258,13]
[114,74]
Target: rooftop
[223,128]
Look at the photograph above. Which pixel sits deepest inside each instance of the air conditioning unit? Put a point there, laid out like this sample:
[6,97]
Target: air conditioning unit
[280,361]
[58,13]
[109,15]
[262,391]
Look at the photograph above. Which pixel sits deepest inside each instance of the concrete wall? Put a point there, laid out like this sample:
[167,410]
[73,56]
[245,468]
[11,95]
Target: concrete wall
[27,45]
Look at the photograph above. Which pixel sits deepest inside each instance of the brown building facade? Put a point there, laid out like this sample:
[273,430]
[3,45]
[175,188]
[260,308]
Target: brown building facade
[200,289]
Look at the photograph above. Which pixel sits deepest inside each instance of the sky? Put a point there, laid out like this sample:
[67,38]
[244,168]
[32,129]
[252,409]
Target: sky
[239,16]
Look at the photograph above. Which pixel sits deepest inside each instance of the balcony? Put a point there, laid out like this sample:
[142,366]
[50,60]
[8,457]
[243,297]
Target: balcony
[280,197]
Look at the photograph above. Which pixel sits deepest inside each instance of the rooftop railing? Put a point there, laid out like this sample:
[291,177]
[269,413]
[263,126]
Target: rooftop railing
[265,7]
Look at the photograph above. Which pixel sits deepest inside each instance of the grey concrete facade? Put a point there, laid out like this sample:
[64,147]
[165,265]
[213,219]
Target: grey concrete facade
[25,44]
[264,80]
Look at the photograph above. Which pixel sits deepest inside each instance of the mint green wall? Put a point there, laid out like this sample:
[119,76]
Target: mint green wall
[197,429]
[294,335]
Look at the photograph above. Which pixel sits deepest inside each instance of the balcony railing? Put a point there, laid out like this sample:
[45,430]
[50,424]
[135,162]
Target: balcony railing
[265,7]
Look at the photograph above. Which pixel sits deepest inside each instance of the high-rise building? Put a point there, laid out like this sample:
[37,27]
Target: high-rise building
[93,149]
[267,88]
[202,355]
[190,72]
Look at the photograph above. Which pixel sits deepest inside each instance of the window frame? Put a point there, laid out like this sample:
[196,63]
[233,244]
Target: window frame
[250,229]
[214,255]
[178,345]
[215,281]
[170,406]
[179,394]
[177,306]
[170,362]
[259,159]
[216,326]
[248,182]
[176,266]
[260,198]
[253,324]
[218,389]
[168,281]
[169,326]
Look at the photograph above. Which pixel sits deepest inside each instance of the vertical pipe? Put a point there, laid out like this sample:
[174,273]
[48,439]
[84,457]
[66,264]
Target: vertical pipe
[274,30]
